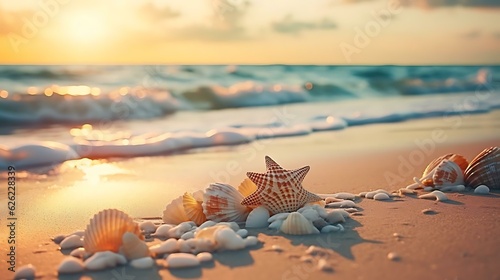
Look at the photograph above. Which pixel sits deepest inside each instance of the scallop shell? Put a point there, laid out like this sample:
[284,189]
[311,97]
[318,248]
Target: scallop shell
[247,187]
[460,160]
[484,169]
[174,213]
[193,209]
[222,203]
[105,231]
[447,173]
[133,247]
[296,224]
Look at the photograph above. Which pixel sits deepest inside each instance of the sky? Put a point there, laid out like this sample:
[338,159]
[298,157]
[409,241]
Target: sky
[250,32]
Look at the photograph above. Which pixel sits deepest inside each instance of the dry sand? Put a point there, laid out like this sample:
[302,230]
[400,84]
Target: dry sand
[459,241]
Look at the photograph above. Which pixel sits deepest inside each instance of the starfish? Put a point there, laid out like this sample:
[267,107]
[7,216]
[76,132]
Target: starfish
[279,190]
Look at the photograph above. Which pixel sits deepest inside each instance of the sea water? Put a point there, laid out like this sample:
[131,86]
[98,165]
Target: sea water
[50,114]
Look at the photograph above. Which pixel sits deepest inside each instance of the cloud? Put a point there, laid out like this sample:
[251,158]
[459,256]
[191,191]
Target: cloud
[289,25]
[154,13]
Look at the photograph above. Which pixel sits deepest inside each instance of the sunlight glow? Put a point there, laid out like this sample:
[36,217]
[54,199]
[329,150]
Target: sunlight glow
[83,27]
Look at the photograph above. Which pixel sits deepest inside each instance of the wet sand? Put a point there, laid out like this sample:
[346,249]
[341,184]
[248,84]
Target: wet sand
[460,241]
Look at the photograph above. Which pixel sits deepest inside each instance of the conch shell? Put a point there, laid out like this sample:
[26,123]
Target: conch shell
[105,231]
[484,169]
[222,203]
[460,160]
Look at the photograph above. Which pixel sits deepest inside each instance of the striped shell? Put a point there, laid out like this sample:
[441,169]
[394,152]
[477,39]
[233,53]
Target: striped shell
[222,203]
[447,173]
[174,213]
[193,207]
[484,169]
[296,224]
[106,229]
[460,160]
[247,187]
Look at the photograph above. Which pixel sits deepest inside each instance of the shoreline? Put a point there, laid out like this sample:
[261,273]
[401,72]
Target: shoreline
[440,246]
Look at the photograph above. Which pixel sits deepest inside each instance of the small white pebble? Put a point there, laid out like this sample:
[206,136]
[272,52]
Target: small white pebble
[162,231]
[204,257]
[147,227]
[428,189]
[188,235]
[180,260]
[393,256]
[438,195]
[70,265]
[482,189]
[71,242]
[276,248]
[242,232]
[324,266]
[251,241]
[142,263]
[25,272]
[79,253]
[381,196]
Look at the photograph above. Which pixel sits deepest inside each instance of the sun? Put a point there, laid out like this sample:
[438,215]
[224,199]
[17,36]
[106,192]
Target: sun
[83,27]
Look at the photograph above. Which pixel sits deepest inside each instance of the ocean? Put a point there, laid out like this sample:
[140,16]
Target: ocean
[50,114]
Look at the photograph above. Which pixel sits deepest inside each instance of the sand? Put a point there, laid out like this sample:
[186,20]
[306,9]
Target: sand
[459,241]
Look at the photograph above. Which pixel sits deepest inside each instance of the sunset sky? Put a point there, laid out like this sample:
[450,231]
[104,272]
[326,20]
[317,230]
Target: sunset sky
[250,32]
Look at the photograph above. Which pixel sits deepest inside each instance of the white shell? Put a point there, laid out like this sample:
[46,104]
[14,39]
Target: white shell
[181,260]
[174,212]
[204,257]
[70,265]
[142,263]
[381,196]
[162,231]
[71,242]
[133,247]
[482,189]
[25,272]
[102,260]
[227,239]
[438,195]
[296,224]
[166,247]
[105,231]
[222,203]
[258,218]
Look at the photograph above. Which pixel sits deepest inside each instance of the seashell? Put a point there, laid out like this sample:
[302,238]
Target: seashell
[247,187]
[204,257]
[296,224]
[428,179]
[25,272]
[258,218]
[460,160]
[142,263]
[222,203]
[251,241]
[71,242]
[133,247]
[166,247]
[174,213]
[447,173]
[102,260]
[193,209]
[335,217]
[482,189]
[438,195]
[70,265]
[279,190]
[181,260]
[227,239]
[484,169]
[381,196]
[105,231]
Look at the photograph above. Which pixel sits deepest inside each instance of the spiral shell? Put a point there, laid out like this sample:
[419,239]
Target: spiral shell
[296,224]
[222,203]
[484,169]
[105,231]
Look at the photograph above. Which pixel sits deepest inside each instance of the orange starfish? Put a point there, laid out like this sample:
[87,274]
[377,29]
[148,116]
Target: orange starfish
[279,190]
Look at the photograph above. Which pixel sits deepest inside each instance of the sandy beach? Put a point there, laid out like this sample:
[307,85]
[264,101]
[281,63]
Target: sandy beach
[458,241]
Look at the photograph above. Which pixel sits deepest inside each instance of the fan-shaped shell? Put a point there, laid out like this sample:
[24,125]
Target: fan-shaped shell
[447,173]
[222,203]
[133,247]
[174,213]
[484,169]
[193,209]
[105,231]
[460,160]
[296,224]
[247,187]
